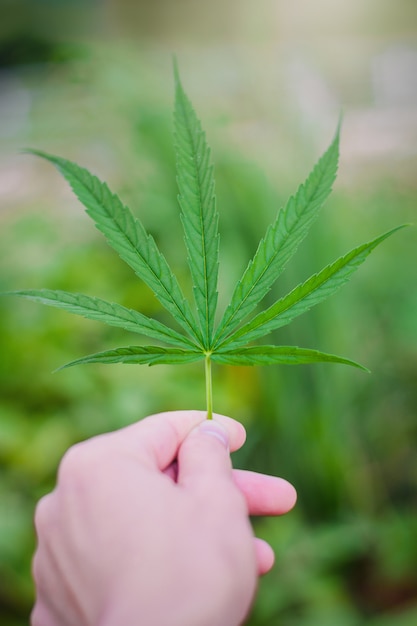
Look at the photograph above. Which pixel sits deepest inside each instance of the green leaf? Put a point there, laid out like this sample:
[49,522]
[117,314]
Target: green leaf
[227,344]
[313,291]
[127,236]
[272,355]
[198,204]
[142,355]
[281,241]
[107,312]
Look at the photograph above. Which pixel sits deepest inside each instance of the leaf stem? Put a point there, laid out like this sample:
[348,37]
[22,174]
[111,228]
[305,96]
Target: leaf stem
[209,388]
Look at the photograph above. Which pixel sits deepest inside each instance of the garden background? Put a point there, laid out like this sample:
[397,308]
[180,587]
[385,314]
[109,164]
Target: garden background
[92,81]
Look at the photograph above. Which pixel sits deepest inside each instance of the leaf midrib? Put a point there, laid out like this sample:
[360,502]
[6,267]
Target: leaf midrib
[203,243]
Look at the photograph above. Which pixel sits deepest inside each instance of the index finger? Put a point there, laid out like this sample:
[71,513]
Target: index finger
[155,440]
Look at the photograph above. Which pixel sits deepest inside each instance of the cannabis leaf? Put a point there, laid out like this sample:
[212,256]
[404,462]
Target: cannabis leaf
[198,204]
[108,312]
[128,237]
[281,240]
[197,337]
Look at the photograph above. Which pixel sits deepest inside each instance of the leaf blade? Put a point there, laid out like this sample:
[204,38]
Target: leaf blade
[198,205]
[281,240]
[306,295]
[127,236]
[107,312]
[139,355]
[273,355]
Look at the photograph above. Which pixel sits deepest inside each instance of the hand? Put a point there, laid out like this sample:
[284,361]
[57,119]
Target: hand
[149,526]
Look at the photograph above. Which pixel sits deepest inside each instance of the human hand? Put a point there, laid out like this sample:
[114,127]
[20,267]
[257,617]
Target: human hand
[149,526]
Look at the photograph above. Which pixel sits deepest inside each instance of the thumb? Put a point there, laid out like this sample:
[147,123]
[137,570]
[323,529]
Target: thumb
[204,453]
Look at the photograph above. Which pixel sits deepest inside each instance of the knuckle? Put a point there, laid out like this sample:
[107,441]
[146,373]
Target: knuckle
[74,463]
[42,513]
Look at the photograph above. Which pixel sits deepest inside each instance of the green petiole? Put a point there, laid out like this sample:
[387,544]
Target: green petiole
[209,389]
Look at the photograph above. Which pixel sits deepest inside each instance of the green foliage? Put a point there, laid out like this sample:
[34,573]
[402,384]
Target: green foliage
[199,215]
[314,290]
[197,337]
[281,240]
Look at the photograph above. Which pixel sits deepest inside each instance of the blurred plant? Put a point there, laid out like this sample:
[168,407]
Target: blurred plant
[200,338]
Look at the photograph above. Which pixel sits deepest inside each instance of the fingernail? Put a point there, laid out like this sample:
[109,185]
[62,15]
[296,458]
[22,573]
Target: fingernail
[210,427]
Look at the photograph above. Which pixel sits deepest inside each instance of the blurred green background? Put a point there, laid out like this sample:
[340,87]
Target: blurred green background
[91,81]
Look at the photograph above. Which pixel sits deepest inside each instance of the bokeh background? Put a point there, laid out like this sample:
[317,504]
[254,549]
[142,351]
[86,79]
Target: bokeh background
[92,81]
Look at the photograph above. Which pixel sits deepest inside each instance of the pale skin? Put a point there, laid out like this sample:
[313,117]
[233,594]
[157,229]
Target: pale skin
[150,525]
